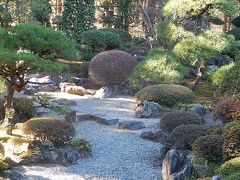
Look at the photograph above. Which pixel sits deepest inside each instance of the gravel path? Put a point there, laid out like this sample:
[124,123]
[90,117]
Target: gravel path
[117,154]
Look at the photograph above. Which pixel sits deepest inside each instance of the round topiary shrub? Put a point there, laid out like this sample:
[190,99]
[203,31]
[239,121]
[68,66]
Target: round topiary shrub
[111,67]
[230,167]
[209,147]
[173,119]
[49,129]
[185,135]
[227,110]
[231,147]
[123,35]
[166,94]
[24,109]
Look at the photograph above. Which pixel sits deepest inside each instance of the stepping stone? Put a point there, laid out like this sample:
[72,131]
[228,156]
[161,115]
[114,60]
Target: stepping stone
[131,125]
[65,102]
[105,120]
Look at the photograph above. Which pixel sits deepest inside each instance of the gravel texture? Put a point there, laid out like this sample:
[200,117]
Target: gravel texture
[117,154]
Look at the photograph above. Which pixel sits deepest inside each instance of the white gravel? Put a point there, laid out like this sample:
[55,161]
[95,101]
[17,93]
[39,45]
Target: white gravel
[117,154]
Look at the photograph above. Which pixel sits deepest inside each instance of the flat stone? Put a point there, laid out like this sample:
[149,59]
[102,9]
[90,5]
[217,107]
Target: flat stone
[131,125]
[65,102]
[105,120]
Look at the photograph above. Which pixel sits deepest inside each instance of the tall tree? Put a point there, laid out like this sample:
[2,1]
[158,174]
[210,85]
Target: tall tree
[78,16]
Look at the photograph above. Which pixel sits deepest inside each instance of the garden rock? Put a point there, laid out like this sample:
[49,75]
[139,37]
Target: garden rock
[77,90]
[105,120]
[199,109]
[36,85]
[65,102]
[67,155]
[149,110]
[63,86]
[158,136]
[216,178]
[15,175]
[220,60]
[176,165]
[131,125]
[112,91]
[71,116]
[212,68]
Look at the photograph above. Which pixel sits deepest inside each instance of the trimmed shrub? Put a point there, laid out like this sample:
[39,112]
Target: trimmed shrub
[233,176]
[111,67]
[123,35]
[173,119]
[236,21]
[218,76]
[166,94]
[230,167]
[229,85]
[4,166]
[95,41]
[24,109]
[209,147]
[49,129]
[159,67]
[185,135]
[231,147]
[227,110]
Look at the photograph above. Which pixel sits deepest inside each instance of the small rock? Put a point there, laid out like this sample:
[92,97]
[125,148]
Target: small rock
[131,125]
[71,116]
[149,110]
[158,136]
[65,102]
[63,86]
[67,156]
[216,178]
[105,120]
[176,165]
[199,109]
[112,91]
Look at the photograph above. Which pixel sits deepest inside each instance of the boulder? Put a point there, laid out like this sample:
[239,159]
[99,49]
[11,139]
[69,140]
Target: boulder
[149,110]
[212,68]
[105,120]
[112,91]
[77,90]
[63,86]
[216,178]
[71,116]
[158,136]
[199,109]
[131,125]
[176,165]
[39,84]
[220,60]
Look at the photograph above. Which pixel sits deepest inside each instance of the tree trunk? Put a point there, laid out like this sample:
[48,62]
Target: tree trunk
[9,103]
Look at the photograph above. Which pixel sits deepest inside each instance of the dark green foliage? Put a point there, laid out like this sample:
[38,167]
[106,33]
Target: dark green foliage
[229,82]
[235,32]
[185,135]
[233,176]
[209,148]
[78,16]
[231,147]
[49,129]
[24,109]
[159,67]
[236,21]
[227,110]
[123,35]
[96,41]
[40,11]
[173,119]
[111,67]
[40,40]
[229,168]
[5,16]
[215,20]
[166,94]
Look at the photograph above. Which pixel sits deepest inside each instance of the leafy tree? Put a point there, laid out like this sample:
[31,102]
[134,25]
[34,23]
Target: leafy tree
[41,46]
[5,16]
[40,10]
[78,16]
